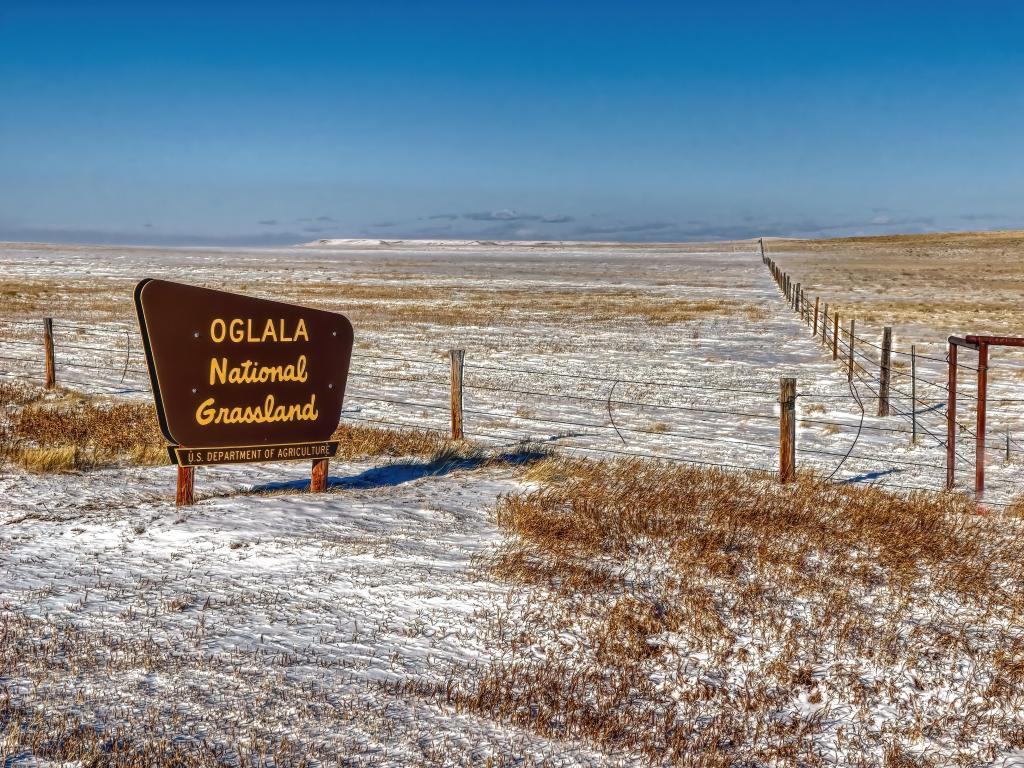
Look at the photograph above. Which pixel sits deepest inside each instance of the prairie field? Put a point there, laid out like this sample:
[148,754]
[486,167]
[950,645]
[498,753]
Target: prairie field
[951,284]
[605,571]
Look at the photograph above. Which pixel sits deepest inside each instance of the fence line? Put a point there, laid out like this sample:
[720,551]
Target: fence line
[130,364]
[851,344]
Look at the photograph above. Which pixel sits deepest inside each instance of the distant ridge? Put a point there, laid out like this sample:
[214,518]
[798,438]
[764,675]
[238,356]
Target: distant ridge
[357,243]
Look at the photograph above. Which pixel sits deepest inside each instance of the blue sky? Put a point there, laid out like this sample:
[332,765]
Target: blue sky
[265,123]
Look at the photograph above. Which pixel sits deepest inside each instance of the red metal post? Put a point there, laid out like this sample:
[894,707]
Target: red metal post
[979,445]
[951,420]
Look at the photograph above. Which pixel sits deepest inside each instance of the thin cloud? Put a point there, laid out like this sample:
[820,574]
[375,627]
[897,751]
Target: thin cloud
[647,227]
[510,214]
[113,237]
[267,222]
[503,214]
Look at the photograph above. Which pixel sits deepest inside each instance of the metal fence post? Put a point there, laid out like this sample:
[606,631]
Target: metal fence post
[913,394]
[979,440]
[951,419]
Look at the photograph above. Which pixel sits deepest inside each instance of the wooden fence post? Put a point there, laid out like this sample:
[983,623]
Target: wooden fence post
[814,335]
[787,430]
[796,299]
[883,374]
[853,335]
[458,358]
[318,475]
[51,371]
[824,325]
[951,419]
[913,394]
[835,336]
[186,486]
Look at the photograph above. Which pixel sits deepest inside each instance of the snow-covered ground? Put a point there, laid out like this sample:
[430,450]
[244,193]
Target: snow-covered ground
[264,612]
[284,615]
[705,389]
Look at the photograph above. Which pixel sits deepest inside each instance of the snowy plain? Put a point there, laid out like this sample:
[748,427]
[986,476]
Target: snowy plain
[263,612]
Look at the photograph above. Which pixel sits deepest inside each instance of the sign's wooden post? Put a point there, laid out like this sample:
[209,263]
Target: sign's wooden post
[318,479]
[787,430]
[51,371]
[186,486]
[458,358]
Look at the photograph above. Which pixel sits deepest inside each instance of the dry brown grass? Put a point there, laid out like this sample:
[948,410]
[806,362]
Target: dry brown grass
[13,394]
[73,433]
[784,592]
[399,301]
[65,738]
[996,241]
[78,434]
[967,282]
[36,297]
[360,442]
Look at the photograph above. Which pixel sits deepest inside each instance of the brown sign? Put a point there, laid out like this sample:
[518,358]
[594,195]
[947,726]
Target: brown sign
[262,378]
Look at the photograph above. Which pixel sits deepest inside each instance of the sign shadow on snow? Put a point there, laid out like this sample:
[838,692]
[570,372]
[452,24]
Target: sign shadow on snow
[401,472]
